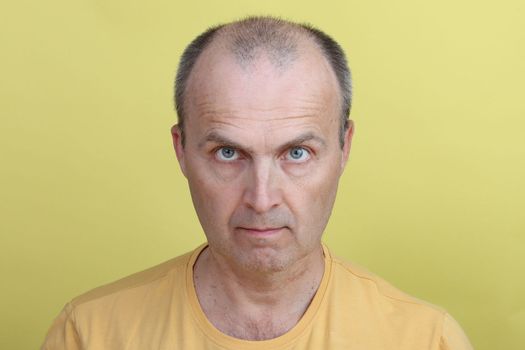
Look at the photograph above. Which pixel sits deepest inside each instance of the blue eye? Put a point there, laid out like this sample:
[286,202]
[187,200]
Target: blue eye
[226,154]
[298,154]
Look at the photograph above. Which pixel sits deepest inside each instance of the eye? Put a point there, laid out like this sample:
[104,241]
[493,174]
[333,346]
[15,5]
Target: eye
[298,154]
[226,154]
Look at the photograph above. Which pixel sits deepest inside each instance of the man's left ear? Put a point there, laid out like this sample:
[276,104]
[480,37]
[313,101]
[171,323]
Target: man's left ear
[349,133]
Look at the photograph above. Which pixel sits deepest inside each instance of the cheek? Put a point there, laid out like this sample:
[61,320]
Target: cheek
[214,197]
[314,197]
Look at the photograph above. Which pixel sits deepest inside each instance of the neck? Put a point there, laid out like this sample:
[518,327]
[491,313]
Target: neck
[254,304]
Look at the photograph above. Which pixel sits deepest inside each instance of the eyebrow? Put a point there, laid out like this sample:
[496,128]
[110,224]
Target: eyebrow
[220,139]
[308,136]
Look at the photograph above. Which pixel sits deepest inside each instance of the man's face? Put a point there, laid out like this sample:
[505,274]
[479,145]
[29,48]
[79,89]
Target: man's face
[262,156]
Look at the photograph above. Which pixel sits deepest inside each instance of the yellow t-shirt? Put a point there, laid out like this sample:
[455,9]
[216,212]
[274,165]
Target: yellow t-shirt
[158,309]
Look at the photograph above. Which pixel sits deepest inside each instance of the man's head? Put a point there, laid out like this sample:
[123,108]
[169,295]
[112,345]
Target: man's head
[263,138]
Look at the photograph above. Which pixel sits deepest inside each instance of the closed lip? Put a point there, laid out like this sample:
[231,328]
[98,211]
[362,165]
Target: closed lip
[261,230]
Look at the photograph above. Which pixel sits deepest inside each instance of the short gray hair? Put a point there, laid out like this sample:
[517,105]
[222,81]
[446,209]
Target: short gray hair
[279,39]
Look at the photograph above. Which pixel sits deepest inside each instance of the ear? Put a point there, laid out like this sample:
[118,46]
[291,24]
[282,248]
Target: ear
[176,135]
[349,133]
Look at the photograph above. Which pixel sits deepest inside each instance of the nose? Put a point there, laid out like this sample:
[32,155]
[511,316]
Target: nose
[262,191]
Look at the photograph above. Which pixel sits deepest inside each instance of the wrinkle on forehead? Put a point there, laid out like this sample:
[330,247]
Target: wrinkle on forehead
[261,125]
[231,119]
[209,107]
[266,115]
[208,100]
[273,123]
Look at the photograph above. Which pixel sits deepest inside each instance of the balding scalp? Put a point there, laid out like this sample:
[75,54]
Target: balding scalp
[275,38]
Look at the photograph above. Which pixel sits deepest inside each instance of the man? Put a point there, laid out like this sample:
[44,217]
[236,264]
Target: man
[263,138]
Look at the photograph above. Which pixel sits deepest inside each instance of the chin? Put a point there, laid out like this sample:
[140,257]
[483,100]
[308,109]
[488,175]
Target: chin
[260,258]
[266,260]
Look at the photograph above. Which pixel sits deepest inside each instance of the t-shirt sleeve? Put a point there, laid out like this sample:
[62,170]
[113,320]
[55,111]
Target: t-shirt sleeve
[453,337]
[63,333]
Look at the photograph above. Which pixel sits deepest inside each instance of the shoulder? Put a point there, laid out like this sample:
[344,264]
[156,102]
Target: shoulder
[380,305]
[103,316]
[379,302]
[142,280]
[380,288]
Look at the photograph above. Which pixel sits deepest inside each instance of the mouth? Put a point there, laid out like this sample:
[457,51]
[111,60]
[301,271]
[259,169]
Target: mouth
[261,231]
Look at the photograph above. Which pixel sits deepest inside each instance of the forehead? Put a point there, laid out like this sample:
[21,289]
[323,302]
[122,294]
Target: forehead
[222,91]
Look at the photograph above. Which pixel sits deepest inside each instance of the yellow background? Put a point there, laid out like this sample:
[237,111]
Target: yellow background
[432,198]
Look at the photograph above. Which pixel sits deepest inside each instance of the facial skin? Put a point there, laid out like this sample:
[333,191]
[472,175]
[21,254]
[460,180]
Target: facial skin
[262,156]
